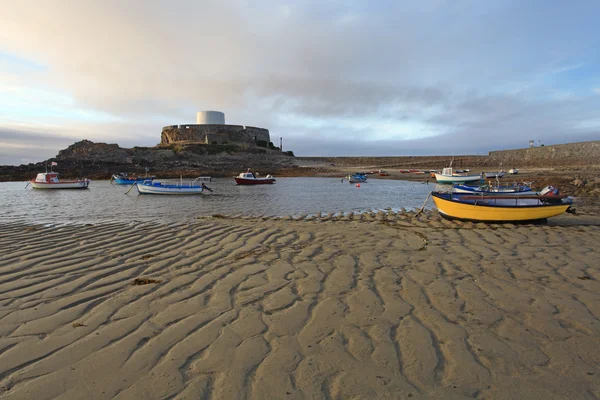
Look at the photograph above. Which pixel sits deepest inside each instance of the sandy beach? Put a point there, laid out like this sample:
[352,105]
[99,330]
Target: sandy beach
[370,306]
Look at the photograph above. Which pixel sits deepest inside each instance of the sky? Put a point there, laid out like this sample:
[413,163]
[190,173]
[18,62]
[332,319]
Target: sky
[332,78]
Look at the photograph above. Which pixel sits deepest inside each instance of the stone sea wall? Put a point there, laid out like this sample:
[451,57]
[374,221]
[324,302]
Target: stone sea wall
[561,155]
[420,162]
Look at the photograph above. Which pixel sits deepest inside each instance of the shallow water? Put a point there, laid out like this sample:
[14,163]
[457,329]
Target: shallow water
[104,202]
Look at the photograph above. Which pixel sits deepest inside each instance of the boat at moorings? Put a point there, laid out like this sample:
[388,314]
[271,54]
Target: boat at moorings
[356,178]
[195,186]
[249,178]
[122,178]
[50,180]
[448,176]
[517,208]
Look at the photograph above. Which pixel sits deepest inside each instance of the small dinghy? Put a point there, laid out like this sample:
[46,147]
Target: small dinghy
[123,179]
[494,175]
[356,178]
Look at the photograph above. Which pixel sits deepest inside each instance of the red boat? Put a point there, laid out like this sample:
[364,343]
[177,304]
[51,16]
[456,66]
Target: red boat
[248,178]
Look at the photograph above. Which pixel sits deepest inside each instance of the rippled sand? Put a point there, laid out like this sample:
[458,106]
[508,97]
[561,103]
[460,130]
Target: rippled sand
[371,306]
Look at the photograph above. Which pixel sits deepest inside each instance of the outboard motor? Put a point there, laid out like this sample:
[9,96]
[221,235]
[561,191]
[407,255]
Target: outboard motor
[549,190]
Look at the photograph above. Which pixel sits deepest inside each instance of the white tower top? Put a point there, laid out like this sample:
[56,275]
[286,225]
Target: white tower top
[210,118]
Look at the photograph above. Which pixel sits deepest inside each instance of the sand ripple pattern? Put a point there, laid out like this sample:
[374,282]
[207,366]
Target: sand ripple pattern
[370,306]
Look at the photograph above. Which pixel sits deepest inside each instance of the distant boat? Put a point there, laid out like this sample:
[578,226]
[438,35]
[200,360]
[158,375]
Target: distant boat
[154,187]
[383,173]
[49,180]
[517,208]
[123,179]
[513,171]
[494,175]
[448,176]
[356,178]
[248,178]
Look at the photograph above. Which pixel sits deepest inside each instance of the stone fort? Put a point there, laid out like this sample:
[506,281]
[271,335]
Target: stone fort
[210,128]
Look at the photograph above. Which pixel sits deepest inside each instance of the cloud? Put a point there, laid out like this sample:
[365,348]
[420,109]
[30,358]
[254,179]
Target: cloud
[472,74]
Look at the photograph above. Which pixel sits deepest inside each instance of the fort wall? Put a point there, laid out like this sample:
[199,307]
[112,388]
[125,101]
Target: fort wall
[210,134]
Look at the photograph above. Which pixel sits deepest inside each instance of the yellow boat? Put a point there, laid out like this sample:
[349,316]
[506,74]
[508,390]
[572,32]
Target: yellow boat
[500,208]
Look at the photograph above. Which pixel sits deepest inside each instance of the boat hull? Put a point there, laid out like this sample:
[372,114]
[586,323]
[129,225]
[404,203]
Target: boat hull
[181,190]
[257,181]
[494,175]
[60,185]
[494,213]
[456,179]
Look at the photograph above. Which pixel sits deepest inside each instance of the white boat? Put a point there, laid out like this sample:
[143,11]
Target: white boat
[494,175]
[155,187]
[448,176]
[513,171]
[249,178]
[49,180]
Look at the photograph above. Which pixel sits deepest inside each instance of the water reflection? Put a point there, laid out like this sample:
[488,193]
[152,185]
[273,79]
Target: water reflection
[289,196]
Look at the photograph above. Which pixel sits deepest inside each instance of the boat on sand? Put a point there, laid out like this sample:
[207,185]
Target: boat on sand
[494,175]
[495,190]
[448,176]
[506,208]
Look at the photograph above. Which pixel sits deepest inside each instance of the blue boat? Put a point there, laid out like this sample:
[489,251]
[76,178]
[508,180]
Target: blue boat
[148,186]
[357,178]
[123,179]
[495,190]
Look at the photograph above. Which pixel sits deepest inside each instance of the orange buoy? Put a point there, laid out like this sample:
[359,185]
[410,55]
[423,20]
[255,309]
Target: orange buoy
[358,185]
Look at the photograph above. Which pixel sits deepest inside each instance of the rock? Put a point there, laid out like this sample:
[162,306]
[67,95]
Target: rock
[101,160]
[577,182]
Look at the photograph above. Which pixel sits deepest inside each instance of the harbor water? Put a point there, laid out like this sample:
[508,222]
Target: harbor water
[106,202]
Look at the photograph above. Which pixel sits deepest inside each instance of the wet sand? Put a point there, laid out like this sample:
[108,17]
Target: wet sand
[371,306]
